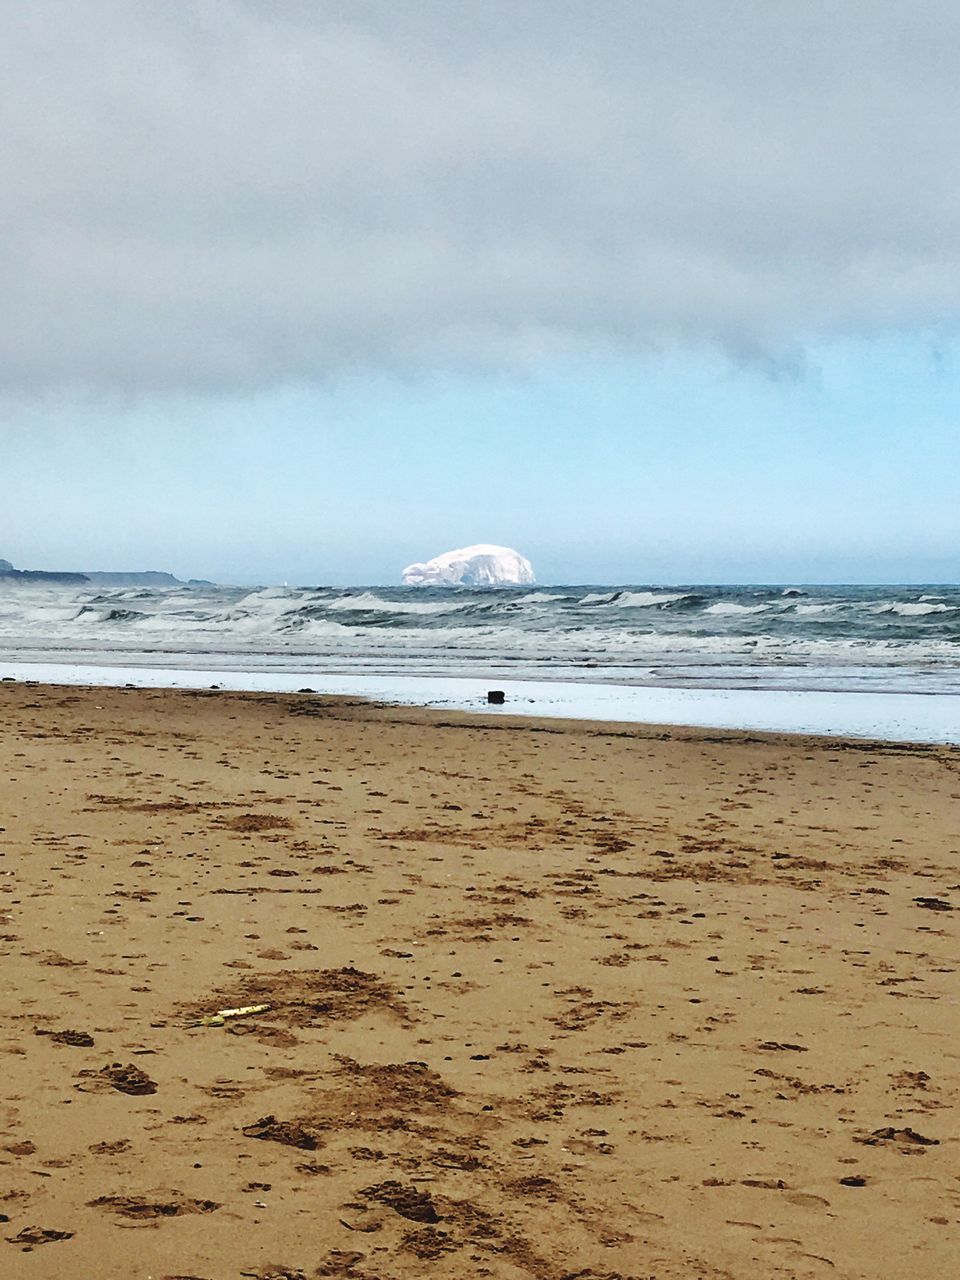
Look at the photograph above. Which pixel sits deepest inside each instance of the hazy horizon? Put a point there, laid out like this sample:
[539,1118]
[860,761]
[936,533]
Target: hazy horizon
[394,583]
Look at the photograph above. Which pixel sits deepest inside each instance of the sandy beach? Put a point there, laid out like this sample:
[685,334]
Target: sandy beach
[533,999]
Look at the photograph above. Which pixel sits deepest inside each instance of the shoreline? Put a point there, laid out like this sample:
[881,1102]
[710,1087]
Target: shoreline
[883,717]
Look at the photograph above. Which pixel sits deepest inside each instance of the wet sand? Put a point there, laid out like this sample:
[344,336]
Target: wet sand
[545,1000]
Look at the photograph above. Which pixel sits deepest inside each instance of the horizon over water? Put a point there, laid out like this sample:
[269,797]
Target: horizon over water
[859,660]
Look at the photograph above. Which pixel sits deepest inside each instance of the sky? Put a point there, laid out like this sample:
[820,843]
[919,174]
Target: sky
[310,289]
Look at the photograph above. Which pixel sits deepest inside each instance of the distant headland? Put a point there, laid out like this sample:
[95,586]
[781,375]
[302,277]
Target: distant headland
[147,578]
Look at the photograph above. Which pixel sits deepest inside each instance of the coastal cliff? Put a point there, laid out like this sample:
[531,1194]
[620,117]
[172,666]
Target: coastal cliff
[9,574]
[145,578]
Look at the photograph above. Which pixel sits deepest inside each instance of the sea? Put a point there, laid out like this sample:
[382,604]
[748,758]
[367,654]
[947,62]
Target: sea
[613,646]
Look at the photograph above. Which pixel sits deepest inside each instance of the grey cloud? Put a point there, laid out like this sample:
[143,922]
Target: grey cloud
[226,196]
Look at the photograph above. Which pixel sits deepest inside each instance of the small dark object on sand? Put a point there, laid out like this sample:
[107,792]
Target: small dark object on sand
[496,696]
[79,1039]
[288,1132]
[143,1209]
[909,1136]
[29,1237]
[128,1079]
[407,1201]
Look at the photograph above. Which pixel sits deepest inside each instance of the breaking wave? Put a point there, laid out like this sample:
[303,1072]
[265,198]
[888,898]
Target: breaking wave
[773,636]
[729,607]
[368,603]
[915,609]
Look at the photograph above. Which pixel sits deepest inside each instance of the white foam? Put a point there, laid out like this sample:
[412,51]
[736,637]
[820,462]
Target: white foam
[369,603]
[912,608]
[646,599]
[270,593]
[918,610]
[728,607]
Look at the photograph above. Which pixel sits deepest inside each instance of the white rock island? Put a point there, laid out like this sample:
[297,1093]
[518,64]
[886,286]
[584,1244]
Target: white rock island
[483,565]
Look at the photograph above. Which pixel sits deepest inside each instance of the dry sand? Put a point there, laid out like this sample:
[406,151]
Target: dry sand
[544,1001]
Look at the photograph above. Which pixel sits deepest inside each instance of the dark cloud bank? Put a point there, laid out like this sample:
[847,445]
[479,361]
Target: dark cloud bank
[224,196]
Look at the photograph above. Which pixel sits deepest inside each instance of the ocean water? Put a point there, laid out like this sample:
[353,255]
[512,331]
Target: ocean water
[902,640]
